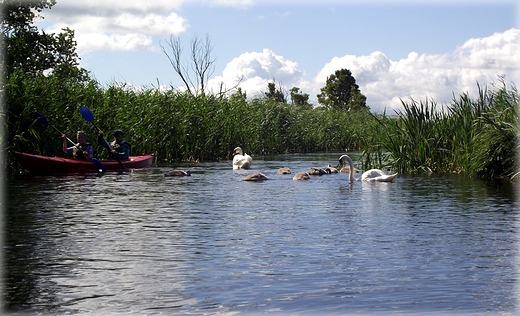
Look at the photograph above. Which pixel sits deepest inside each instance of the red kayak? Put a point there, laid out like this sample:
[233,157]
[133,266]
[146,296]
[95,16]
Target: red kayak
[44,164]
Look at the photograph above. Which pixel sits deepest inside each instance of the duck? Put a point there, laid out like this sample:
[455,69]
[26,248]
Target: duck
[177,173]
[241,160]
[255,177]
[369,175]
[301,176]
[284,170]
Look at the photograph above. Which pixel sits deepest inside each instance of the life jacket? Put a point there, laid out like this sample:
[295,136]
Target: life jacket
[119,147]
[78,149]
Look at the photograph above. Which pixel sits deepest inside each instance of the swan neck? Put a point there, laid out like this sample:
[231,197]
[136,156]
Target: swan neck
[351,165]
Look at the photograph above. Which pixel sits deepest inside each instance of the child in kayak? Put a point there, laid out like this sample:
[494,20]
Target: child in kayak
[82,150]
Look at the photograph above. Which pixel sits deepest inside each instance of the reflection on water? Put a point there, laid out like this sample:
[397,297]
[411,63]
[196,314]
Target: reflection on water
[140,243]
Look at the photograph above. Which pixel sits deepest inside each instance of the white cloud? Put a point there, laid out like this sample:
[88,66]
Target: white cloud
[116,24]
[384,82]
[256,70]
[114,41]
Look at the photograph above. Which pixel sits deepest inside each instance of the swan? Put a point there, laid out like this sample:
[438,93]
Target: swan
[346,169]
[301,176]
[318,171]
[255,177]
[370,175]
[177,173]
[284,170]
[331,169]
[377,175]
[241,160]
[346,159]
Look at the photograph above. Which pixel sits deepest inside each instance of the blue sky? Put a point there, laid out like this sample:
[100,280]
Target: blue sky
[395,49]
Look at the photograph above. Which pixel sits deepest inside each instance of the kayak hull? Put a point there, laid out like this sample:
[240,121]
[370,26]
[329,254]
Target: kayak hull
[44,164]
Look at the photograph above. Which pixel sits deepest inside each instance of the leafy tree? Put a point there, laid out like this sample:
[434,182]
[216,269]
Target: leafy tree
[34,52]
[299,98]
[341,92]
[274,93]
[39,70]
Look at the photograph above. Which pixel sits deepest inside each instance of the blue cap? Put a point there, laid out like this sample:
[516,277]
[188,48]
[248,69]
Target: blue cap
[118,132]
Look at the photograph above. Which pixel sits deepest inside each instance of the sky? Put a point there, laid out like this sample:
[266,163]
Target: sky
[396,50]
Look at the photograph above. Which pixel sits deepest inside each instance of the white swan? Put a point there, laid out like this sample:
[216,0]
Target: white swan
[377,175]
[342,160]
[241,160]
[370,175]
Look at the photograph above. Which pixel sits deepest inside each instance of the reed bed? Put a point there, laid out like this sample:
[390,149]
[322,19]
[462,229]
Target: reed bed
[467,136]
[173,125]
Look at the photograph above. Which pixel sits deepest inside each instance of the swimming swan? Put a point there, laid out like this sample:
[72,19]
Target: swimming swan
[377,175]
[241,160]
[330,169]
[284,170]
[342,160]
[177,173]
[255,177]
[301,176]
[370,175]
[318,171]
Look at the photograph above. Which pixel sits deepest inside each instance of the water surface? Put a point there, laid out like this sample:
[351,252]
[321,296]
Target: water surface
[139,243]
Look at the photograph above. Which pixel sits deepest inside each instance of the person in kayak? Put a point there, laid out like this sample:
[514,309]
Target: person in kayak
[120,149]
[82,150]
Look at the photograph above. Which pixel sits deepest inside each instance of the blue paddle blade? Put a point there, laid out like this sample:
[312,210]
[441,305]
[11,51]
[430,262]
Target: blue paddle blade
[41,118]
[104,143]
[99,166]
[87,114]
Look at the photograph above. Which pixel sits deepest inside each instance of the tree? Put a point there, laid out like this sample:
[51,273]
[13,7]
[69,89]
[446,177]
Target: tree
[31,51]
[299,98]
[341,92]
[202,67]
[275,94]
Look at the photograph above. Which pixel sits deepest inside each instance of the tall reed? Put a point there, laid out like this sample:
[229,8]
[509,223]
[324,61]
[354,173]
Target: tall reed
[497,141]
[470,136]
[467,136]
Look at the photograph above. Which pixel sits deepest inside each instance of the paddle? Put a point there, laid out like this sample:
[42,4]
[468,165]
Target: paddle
[88,116]
[43,120]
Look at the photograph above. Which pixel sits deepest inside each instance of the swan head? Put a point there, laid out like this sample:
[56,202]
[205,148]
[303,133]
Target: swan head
[346,159]
[343,160]
[238,151]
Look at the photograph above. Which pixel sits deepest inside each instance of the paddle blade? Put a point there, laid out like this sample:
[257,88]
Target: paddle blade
[98,165]
[41,118]
[87,114]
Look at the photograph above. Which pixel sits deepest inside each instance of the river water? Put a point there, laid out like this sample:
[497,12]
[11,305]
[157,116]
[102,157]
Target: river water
[138,243]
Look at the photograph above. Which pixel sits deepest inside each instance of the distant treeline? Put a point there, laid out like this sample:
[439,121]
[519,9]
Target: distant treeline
[476,137]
